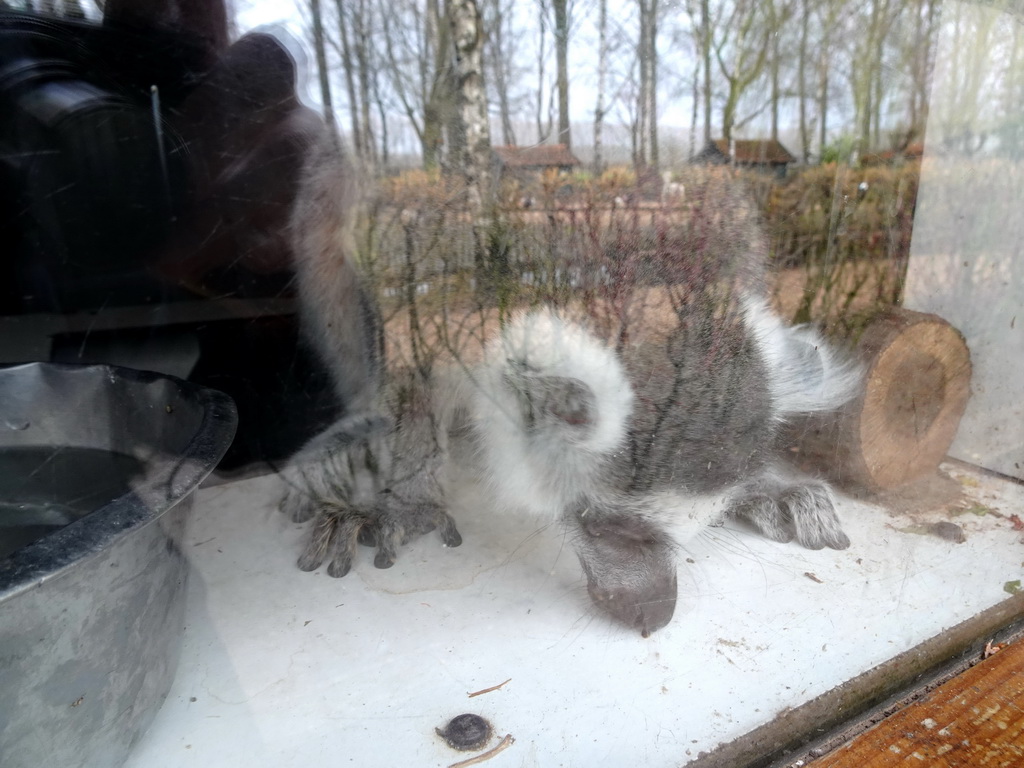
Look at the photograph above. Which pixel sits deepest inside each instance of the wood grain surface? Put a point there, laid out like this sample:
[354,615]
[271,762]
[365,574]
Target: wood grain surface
[975,719]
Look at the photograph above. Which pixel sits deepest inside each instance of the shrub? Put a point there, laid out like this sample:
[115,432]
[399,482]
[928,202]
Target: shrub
[849,231]
[837,237]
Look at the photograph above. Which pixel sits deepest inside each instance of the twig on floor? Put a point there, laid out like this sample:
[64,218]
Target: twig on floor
[488,690]
[505,743]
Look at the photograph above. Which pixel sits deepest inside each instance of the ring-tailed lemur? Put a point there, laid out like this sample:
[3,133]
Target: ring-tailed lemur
[636,452]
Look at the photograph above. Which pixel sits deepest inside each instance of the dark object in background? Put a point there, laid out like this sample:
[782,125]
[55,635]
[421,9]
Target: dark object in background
[146,163]
[92,181]
[281,391]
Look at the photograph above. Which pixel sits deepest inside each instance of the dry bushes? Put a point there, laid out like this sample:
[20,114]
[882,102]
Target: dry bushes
[837,240]
[845,233]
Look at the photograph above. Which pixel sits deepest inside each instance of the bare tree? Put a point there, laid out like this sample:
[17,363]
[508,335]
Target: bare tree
[779,12]
[866,67]
[700,32]
[705,55]
[830,14]
[418,46]
[921,55]
[500,58]
[602,79]
[475,160]
[382,116]
[647,108]
[361,29]
[543,117]
[741,50]
[801,81]
[348,67]
[355,46]
[321,62]
[561,13]
[860,68]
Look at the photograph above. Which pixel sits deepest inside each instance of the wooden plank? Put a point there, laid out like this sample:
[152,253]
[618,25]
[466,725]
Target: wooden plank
[975,719]
[796,736]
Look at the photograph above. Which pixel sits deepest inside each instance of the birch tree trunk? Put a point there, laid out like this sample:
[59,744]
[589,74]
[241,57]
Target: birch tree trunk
[475,160]
[602,76]
[490,260]
[543,127]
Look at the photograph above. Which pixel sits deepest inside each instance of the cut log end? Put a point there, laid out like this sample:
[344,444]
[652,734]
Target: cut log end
[917,380]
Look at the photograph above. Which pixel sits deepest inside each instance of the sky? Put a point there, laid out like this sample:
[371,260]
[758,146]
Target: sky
[676,66]
[674,108]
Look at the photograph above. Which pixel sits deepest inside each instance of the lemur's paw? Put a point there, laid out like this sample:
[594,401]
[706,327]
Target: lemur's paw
[389,524]
[333,538]
[395,521]
[812,509]
[804,512]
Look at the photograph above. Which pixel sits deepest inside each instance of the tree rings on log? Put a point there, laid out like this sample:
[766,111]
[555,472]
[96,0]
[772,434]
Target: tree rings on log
[917,376]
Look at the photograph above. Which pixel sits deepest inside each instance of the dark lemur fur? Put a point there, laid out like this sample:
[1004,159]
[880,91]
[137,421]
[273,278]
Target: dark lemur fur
[635,452]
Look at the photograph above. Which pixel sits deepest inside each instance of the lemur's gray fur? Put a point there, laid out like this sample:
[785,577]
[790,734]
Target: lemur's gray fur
[635,452]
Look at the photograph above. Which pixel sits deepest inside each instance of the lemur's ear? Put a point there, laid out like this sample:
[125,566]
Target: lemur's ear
[554,399]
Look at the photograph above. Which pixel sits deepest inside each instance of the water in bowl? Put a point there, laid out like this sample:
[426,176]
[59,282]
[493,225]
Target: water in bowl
[42,489]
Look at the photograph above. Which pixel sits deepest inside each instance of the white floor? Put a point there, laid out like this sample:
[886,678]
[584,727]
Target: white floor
[282,668]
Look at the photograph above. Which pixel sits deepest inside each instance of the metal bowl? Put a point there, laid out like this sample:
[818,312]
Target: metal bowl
[98,468]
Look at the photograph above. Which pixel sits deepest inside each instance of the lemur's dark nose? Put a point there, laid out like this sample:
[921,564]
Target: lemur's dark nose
[630,566]
[647,608]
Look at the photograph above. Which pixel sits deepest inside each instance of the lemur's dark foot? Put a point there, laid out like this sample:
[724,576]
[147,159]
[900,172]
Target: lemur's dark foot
[388,525]
[340,480]
[396,521]
[333,537]
[783,512]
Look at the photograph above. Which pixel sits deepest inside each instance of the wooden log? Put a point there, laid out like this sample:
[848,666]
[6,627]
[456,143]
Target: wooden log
[917,375]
